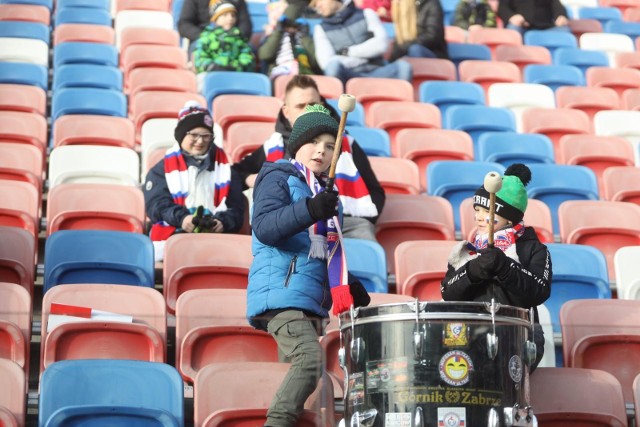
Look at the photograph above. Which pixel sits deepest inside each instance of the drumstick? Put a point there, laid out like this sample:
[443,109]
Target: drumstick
[493,184]
[346,104]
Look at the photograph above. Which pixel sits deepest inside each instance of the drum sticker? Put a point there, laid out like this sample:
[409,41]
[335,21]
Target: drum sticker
[515,368]
[455,335]
[452,417]
[397,419]
[356,388]
[386,374]
[455,368]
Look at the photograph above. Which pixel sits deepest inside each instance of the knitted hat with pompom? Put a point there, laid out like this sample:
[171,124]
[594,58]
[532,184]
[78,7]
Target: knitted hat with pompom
[511,200]
[314,121]
[192,116]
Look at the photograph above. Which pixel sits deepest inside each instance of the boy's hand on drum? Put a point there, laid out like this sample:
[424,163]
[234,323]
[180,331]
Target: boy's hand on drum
[491,262]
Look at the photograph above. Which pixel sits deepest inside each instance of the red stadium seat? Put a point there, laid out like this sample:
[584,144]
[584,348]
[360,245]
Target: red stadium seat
[229,109]
[393,116]
[580,26]
[494,37]
[26,98]
[523,55]
[157,56]
[83,33]
[244,138]
[369,90]
[630,99]
[90,129]
[17,257]
[555,123]
[20,206]
[587,99]
[454,34]
[21,162]
[159,5]
[25,12]
[25,128]
[147,36]
[486,73]
[622,184]
[428,69]
[161,79]
[396,176]
[13,394]
[618,79]
[632,14]
[15,324]
[330,87]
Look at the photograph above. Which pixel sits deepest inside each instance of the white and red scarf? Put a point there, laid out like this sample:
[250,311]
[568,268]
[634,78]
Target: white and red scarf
[354,195]
[326,243]
[180,179]
[504,239]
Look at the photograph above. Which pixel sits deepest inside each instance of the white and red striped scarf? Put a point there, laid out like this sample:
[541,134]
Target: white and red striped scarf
[354,195]
[504,239]
[177,176]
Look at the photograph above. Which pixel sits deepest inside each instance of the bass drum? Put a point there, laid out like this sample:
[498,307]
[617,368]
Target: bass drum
[448,364]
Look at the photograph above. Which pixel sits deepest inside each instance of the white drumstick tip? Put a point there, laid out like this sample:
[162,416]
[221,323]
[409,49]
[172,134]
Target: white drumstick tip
[347,103]
[492,182]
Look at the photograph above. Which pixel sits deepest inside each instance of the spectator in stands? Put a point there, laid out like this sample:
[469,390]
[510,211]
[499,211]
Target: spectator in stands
[351,42]
[195,16]
[523,15]
[472,14]
[419,29]
[361,208]
[221,47]
[194,173]
[381,7]
[293,213]
[515,271]
[289,50]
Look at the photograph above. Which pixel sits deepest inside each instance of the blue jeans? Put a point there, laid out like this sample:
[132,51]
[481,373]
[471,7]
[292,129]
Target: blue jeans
[523,30]
[395,70]
[419,51]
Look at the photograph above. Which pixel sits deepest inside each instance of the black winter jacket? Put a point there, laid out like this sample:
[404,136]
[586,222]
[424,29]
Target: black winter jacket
[430,30]
[540,14]
[194,17]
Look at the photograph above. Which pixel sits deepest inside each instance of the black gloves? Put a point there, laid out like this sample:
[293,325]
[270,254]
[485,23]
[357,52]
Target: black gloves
[203,223]
[323,205]
[491,262]
[359,293]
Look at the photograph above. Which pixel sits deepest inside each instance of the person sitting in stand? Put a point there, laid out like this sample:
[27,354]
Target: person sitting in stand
[419,29]
[472,14]
[524,15]
[517,270]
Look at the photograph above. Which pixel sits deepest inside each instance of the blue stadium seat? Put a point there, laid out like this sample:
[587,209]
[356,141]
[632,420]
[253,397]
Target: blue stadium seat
[23,73]
[231,82]
[373,141]
[82,15]
[580,58]
[579,272]
[354,118]
[554,76]
[94,4]
[98,256]
[111,392]
[448,10]
[632,29]
[106,102]
[27,30]
[367,261]
[554,184]
[176,10]
[85,53]
[459,52]
[445,94]
[550,39]
[509,147]
[457,180]
[87,75]
[602,14]
[46,3]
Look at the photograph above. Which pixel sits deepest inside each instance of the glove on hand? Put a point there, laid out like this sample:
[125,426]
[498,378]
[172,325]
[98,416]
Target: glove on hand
[323,205]
[491,262]
[359,293]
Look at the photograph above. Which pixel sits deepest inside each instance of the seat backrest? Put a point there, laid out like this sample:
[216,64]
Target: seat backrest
[81,52]
[486,73]
[618,79]
[15,325]
[459,52]
[397,176]
[627,271]
[20,205]
[511,147]
[583,59]
[549,357]
[244,138]
[89,33]
[155,78]
[230,82]
[21,127]
[608,43]
[86,100]
[228,109]
[367,261]
[374,142]
[367,90]
[140,18]
[128,389]
[523,55]
[554,76]
[25,12]
[588,99]
[493,37]
[32,51]
[443,94]
[87,75]
[622,184]
[98,256]
[13,393]
[548,40]
[477,119]
[519,97]
[25,159]
[555,122]
[93,130]
[23,73]
[21,97]
[17,257]
[395,115]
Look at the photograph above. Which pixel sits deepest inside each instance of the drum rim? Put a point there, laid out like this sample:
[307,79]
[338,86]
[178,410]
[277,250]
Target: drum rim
[449,317]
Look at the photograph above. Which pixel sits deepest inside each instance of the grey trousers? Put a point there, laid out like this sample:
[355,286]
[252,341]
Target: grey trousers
[358,228]
[297,339]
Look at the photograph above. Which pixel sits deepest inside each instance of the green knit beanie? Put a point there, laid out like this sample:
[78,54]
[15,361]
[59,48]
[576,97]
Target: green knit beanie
[511,200]
[314,121]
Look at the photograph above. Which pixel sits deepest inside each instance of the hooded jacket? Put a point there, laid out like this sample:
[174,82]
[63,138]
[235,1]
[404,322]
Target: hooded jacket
[430,30]
[540,14]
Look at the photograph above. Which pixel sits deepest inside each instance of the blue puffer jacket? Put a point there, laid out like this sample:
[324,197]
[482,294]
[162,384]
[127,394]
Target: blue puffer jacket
[282,274]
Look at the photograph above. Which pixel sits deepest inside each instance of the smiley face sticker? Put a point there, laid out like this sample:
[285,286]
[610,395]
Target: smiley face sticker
[455,368]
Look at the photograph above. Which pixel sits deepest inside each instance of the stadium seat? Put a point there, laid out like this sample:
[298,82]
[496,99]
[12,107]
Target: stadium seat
[368,90]
[555,123]
[430,69]
[20,206]
[156,137]
[95,207]
[16,309]
[622,184]
[554,76]
[418,275]
[218,83]
[113,392]
[494,37]
[631,29]
[17,257]
[628,60]
[413,217]
[25,12]
[605,225]
[602,14]
[93,164]
[47,3]
[98,256]
[486,73]
[598,153]
[93,130]
[510,147]
[243,138]
[22,73]
[373,141]
[551,40]
[603,334]
[73,52]
[162,6]
[82,15]
[457,180]
[221,261]
[630,100]
[13,394]
[580,26]
[142,19]
[210,326]
[549,357]
[330,87]
[21,162]
[75,100]
[625,261]
[556,395]
[632,14]
[459,52]
[87,75]
[622,5]
[393,116]
[32,51]
[27,30]
[367,261]
[396,176]
[478,119]
[519,97]
[132,36]
[422,146]
[240,393]
[355,117]
[625,124]
[618,79]
[607,43]
[454,34]
[580,58]
[523,55]
[229,109]
[152,56]
[24,98]
[83,33]
[587,99]
[99,4]
[444,94]
[579,272]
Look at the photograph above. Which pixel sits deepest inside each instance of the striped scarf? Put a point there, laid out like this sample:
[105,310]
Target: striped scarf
[326,243]
[354,195]
[504,239]
[178,178]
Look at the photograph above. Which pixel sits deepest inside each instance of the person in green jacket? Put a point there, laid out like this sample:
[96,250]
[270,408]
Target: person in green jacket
[470,14]
[221,46]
